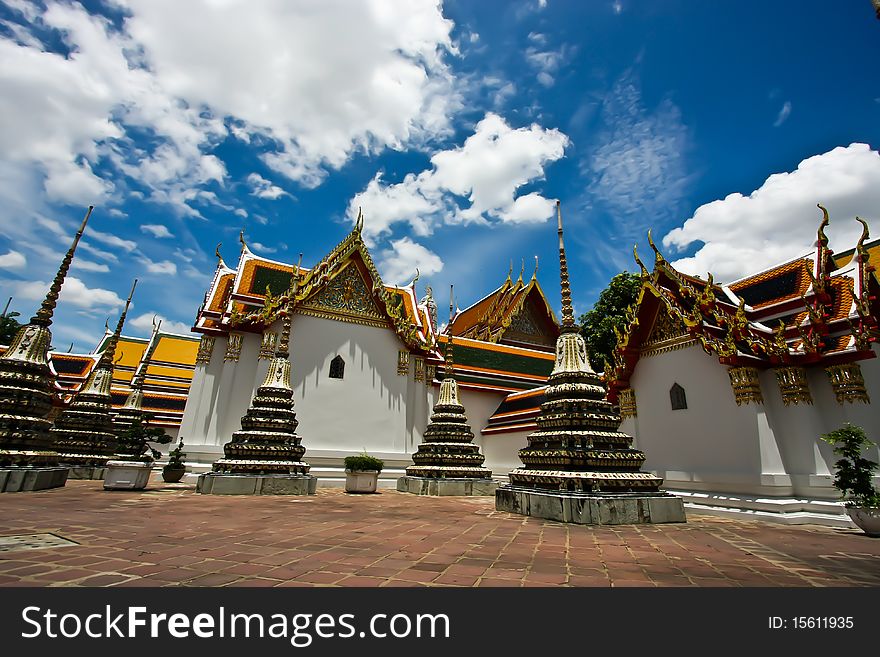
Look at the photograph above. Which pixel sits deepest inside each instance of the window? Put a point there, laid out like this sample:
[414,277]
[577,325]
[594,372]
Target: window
[337,368]
[677,397]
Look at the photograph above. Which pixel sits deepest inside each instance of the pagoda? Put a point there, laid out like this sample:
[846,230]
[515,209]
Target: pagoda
[578,467]
[132,410]
[448,462]
[27,460]
[265,456]
[83,434]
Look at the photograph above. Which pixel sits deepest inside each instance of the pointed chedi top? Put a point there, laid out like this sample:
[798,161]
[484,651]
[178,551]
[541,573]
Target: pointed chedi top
[568,323]
[109,353]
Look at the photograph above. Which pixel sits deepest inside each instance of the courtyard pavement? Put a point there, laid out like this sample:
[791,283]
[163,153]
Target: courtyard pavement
[168,535]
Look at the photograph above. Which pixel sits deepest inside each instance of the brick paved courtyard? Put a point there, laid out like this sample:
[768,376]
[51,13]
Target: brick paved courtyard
[169,536]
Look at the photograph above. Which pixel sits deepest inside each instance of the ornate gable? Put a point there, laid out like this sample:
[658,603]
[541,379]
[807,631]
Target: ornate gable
[346,297]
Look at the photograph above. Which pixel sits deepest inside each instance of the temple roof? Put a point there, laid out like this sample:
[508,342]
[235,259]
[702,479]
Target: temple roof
[496,367]
[814,309]
[250,297]
[514,313]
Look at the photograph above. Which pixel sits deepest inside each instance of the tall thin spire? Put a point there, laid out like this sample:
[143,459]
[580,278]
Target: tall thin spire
[449,364]
[283,350]
[47,308]
[568,324]
[107,357]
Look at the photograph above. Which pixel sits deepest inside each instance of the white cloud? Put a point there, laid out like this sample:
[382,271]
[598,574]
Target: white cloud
[262,188]
[12,260]
[398,264]
[145,323]
[162,267]
[241,212]
[88,265]
[74,292]
[262,248]
[778,221]
[637,166]
[156,230]
[546,79]
[181,73]
[784,112]
[617,6]
[112,240]
[487,170]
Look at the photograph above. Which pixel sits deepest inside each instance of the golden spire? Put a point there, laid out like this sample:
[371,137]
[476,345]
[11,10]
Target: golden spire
[449,364]
[283,350]
[535,273]
[106,361]
[47,308]
[568,324]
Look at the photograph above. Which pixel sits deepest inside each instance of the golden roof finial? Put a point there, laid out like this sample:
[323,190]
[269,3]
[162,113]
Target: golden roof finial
[822,240]
[860,245]
[413,284]
[241,239]
[657,256]
[510,272]
[535,273]
[283,350]
[47,308]
[110,350]
[639,262]
[217,253]
[522,270]
[359,222]
[568,324]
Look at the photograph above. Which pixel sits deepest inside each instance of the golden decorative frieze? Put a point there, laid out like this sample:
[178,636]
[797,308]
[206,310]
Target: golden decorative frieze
[626,399]
[206,348]
[746,385]
[233,347]
[419,368]
[403,362]
[267,348]
[848,383]
[793,385]
[430,374]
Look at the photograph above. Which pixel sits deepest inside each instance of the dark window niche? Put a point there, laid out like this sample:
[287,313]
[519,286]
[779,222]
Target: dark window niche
[677,397]
[337,368]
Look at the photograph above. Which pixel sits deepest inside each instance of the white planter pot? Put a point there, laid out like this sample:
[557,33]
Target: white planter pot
[127,475]
[866,518]
[361,481]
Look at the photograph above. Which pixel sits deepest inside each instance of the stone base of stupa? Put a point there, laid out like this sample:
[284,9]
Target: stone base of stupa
[220,483]
[23,479]
[452,486]
[591,508]
[86,472]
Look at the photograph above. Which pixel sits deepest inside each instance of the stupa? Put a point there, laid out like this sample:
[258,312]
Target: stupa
[27,460]
[83,434]
[132,410]
[578,467]
[448,462]
[265,456]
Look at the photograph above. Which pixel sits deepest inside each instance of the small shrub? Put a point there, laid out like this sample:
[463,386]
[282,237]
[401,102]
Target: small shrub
[854,476]
[175,458]
[363,462]
[134,442]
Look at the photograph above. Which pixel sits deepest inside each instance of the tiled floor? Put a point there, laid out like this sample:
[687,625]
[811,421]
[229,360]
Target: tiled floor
[170,536]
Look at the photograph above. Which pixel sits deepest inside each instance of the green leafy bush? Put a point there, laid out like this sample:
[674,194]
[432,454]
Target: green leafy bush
[134,442]
[854,476]
[363,462]
[175,458]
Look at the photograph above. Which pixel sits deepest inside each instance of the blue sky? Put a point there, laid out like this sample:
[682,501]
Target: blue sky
[455,126]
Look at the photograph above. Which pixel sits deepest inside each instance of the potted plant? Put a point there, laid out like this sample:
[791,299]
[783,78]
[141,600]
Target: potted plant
[854,477]
[175,468]
[131,469]
[362,473]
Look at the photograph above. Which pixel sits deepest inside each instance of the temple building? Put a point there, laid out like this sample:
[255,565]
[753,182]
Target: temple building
[367,357]
[728,387]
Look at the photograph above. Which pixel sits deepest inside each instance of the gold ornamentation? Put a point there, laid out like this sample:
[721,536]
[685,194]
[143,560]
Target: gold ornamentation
[233,347]
[626,398]
[206,348]
[346,295]
[267,348]
[666,328]
[419,369]
[848,383]
[403,362]
[430,374]
[746,385]
[793,385]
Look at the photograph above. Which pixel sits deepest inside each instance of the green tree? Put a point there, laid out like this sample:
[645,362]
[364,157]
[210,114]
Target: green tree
[8,327]
[597,325]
